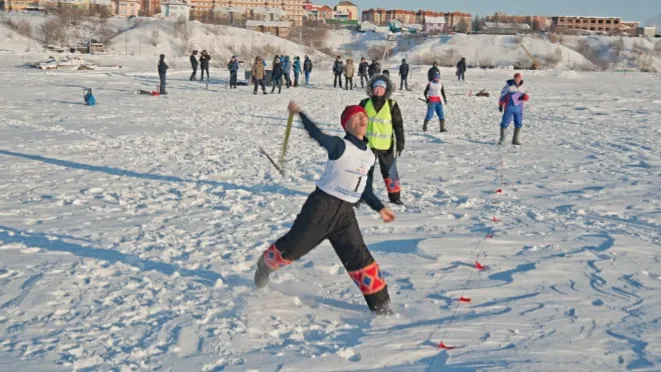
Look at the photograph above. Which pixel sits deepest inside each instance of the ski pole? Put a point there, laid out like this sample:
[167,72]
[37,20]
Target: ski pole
[290,120]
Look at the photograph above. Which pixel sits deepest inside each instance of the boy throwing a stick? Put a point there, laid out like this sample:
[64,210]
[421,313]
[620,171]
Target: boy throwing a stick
[328,212]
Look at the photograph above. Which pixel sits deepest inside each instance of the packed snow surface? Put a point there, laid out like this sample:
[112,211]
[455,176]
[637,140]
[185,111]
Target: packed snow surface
[129,231]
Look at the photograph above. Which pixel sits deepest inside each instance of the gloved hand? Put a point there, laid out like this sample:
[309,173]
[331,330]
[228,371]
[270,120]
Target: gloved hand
[500,108]
[525,97]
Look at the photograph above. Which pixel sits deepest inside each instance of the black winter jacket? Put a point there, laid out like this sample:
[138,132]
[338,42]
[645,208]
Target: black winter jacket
[204,61]
[338,67]
[404,69]
[432,71]
[362,68]
[277,71]
[193,61]
[162,67]
[307,65]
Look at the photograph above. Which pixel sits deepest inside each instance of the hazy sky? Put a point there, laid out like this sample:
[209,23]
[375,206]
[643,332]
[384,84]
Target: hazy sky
[630,10]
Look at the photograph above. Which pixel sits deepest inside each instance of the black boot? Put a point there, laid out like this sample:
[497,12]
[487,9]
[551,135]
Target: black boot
[262,273]
[384,309]
[442,122]
[502,136]
[424,126]
[515,138]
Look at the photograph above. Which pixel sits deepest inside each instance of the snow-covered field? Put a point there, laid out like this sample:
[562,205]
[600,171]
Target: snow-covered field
[129,230]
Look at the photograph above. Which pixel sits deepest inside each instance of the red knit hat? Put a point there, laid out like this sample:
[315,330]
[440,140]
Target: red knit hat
[348,112]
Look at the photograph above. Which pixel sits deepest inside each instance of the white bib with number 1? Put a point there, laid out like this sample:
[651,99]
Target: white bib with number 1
[346,177]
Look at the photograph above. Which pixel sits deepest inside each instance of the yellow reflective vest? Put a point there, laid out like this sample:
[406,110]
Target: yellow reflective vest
[379,130]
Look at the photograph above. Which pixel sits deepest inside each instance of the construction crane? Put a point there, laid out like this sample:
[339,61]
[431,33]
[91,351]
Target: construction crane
[535,64]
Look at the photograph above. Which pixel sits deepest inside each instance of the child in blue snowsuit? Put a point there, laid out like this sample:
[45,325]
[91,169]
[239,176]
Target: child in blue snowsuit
[433,94]
[511,102]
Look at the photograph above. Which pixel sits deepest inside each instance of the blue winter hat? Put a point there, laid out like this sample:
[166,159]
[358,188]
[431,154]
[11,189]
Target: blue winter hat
[379,83]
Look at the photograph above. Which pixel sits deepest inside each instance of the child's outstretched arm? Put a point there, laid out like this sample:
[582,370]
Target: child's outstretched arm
[333,144]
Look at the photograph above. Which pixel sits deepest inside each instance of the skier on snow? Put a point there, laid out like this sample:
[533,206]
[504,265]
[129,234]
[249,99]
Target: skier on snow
[328,212]
[511,102]
[385,131]
[433,93]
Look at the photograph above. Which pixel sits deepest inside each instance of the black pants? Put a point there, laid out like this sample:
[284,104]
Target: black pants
[367,80]
[348,83]
[388,166]
[326,217]
[338,78]
[461,76]
[204,68]
[162,89]
[259,82]
[288,80]
[405,81]
[194,74]
[233,75]
[295,80]
[277,83]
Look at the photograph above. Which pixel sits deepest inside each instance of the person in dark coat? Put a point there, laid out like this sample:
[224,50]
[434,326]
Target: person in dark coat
[433,71]
[233,66]
[193,64]
[162,72]
[461,69]
[307,69]
[338,69]
[328,213]
[363,71]
[276,75]
[374,69]
[385,131]
[404,74]
[204,64]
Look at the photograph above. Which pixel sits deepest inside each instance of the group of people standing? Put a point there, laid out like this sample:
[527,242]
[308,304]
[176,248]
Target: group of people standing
[365,71]
[281,69]
[203,63]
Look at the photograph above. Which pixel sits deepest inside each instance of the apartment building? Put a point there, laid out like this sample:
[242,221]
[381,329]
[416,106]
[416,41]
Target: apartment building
[293,9]
[349,8]
[538,23]
[597,24]
[453,20]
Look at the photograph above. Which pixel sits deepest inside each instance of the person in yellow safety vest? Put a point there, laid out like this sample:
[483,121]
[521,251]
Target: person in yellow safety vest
[385,131]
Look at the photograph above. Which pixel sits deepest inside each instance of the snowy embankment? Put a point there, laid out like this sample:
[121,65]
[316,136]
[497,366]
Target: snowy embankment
[129,230]
[501,51]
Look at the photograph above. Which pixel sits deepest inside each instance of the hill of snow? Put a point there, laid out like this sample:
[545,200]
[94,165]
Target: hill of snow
[153,37]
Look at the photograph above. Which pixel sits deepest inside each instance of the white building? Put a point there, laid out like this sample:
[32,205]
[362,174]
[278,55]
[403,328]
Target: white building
[175,9]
